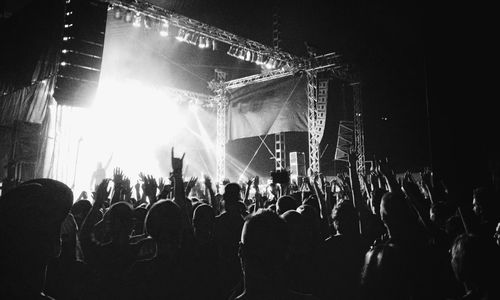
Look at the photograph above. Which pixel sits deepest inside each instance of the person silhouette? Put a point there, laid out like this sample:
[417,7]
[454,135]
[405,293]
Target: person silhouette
[100,173]
[30,233]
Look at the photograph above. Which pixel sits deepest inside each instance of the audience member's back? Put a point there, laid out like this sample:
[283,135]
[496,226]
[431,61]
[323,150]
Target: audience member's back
[475,261]
[30,222]
[263,252]
[228,227]
[342,255]
[166,275]
[385,274]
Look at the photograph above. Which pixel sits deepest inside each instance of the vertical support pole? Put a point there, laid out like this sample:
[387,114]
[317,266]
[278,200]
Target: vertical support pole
[220,147]
[221,136]
[312,116]
[279,151]
[359,136]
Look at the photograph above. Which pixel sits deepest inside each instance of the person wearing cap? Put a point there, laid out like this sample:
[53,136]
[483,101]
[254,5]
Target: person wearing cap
[30,233]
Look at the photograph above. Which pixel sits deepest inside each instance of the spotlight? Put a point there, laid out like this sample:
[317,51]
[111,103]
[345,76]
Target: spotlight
[180,35]
[232,51]
[203,42]
[270,64]
[214,45]
[260,59]
[63,63]
[164,28]
[137,20]
[248,55]
[117,12]
[193,39]
[128,17]
[187,36]
[64,51]
[148,22]
[253,57]
[241,54]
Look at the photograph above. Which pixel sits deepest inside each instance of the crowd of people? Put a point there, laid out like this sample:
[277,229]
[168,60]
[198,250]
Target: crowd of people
[355,237]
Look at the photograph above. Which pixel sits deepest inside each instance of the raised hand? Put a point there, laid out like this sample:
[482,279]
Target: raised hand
[118,176]
[161,184]
[256,182]
[149,186]
[101,193]
[191,183]
[207,181]
[177,163]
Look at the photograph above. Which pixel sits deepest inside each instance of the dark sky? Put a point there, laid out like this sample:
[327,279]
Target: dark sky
[383,39]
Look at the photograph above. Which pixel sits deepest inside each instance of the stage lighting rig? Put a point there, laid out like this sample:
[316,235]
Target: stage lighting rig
[129,16]
[137,20]
[164,28]
[117,12]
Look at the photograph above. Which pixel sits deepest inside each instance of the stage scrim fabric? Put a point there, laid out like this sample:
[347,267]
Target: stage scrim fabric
[268,107]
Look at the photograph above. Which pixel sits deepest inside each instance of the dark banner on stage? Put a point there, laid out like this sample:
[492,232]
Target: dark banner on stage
[269,107]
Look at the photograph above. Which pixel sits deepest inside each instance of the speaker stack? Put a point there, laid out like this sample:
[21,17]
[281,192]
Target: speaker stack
[81,52]
[297,166]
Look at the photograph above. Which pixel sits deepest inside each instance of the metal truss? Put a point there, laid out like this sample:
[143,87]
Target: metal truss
[159,13]
[220,147]
[359,136]
[279,151]
[196,98]
[329,62]
[312,115]
[270,75]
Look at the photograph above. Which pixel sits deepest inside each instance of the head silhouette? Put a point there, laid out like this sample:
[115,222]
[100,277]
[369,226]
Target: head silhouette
[231,197]
[203,222]
[396,214]
[384,274]
[119,221]
[263,246]
[30,231]
[79,210]
[164,225]
[285,203]
[345,218]
[474,260]
[32,214]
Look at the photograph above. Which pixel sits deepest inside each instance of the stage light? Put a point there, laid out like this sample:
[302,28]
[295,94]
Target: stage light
[253,57]
[117,12]
[180,35]
[193,39]
[270,63]
[129,17]
[232,51]
[64,51]
[164,28]
[248,55]
[260,59]
[148,22]
[63,63]
[214,45]
[68,25]
[137,20]
[187,36]
[202,42]
[241,54]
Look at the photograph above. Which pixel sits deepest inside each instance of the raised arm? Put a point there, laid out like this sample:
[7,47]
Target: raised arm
[179,192]
[100,196]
